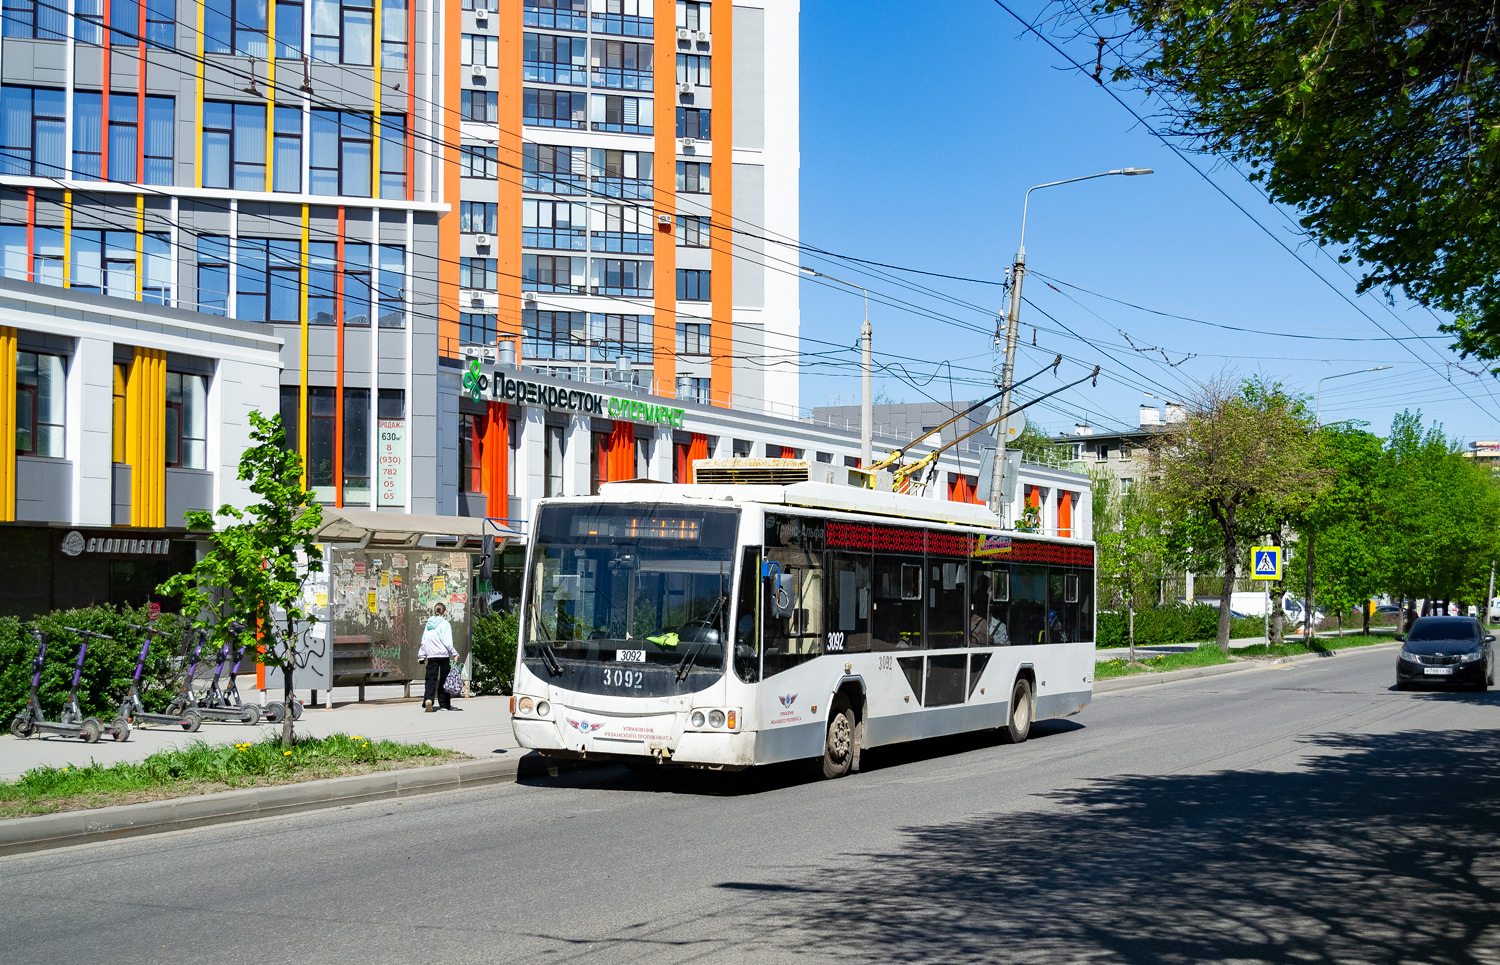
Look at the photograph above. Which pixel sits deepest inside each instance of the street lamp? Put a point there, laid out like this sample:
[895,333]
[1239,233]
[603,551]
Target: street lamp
[1012,326]
[1377,368]
[866,416]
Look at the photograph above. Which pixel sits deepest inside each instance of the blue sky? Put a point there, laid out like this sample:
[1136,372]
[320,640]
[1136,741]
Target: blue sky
[923,124]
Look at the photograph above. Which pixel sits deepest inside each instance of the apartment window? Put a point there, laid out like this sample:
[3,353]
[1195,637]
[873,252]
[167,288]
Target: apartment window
[553,14]
[692,122]
[552,273]
[620,276]
[622,174]
[693,285]
[480,162]
[393,156]
[479,106]
[623,229]
[122,137]
[340,162]
[553,108]
[160,128]
[288,28]
[692,338]
[104,262]
[286,148]
[343,31]
[623,18]
[627,115]
[553,224]
[13,252]
[88,117]
[692,15]
[41,387]
[32,125]
[390,291]
[88,20]
[392,34]
[692,177]
[187,420]
[36,20]
[322,271]
[47,256]
[622,65]
[692,231]
[356,447]
[479,49]
[551,169]
[554,448]
[478,273]
[1102,453]
[234,146]
[321,418]
[357,302]
[468,462]
[549,335]
[156,259]
[691,389]
[213,274]
[627,335]
[476,329]
[478,217]
[693,69]
[268,280]
[550,59]
[235,27]
[486,4]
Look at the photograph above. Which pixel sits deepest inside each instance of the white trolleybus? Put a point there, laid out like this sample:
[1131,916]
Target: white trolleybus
[724,626]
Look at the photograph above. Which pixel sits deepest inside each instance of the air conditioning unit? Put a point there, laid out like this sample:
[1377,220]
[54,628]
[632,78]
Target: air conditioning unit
[481,15]
[529,298]
[684,33]
[684,88]
[482,241]
[476,298]
[689,142]
[703,36]
[663,219]
[480,71]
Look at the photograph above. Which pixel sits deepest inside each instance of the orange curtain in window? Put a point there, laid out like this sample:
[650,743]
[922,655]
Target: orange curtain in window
[620,463]
[787,452]
[963,489]
[492,445]
[1064,513]
[687,454]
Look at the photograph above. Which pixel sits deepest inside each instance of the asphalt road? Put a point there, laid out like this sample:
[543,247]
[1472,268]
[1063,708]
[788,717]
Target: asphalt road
[1303,813]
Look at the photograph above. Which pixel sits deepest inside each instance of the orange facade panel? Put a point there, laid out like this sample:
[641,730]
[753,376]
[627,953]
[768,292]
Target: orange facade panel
[664,260]
[721,330]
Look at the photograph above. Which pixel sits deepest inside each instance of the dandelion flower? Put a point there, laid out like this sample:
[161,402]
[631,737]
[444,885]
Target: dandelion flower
[286,753]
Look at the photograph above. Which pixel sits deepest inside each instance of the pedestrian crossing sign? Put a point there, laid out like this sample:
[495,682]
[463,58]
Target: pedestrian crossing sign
[1265,562]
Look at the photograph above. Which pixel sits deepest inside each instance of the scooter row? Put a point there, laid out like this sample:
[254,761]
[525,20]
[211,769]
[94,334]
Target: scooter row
[187,709]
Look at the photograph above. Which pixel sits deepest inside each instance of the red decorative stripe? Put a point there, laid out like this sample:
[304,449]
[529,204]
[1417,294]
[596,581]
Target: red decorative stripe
[901,539]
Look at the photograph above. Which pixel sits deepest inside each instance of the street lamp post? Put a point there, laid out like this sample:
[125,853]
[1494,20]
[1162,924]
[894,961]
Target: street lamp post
[1377,368]
[866,406]
[1012,326]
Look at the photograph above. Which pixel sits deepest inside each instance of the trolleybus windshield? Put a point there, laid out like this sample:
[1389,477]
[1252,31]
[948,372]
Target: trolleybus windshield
[630,599]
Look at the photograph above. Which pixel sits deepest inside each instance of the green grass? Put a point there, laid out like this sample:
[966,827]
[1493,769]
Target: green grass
[199,768]
[1209,654]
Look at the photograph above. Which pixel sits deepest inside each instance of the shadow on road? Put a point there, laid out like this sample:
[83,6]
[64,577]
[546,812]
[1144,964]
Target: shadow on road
[537,771]
[1379,849]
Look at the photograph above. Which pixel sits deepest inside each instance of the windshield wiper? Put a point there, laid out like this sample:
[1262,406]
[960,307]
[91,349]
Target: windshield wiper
[685,665]
[549,656]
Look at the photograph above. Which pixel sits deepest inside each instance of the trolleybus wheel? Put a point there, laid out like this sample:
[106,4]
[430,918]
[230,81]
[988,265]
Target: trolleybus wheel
[120,728]
[92,731]
[1018,719]
[191,721]
[20,726]
[838,748]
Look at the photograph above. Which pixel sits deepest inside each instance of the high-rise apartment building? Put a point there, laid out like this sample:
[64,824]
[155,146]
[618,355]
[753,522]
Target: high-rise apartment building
[378,183]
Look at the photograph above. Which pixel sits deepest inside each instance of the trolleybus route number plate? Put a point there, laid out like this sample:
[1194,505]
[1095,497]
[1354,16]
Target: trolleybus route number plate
[630,656]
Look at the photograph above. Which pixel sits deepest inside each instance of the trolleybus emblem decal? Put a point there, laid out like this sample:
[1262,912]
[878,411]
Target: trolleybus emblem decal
[788,700]
[583,725]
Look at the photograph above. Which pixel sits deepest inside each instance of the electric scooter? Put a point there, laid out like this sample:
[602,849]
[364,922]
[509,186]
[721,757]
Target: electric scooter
[71,722]
[274,710]
[188,701]
[131,707]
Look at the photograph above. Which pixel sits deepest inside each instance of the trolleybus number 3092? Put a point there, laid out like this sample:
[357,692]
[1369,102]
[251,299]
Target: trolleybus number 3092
[630,679]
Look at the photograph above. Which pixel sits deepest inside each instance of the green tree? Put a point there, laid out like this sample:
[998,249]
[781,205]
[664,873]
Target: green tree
[1343,537]
[250,580]
[1131,550]
[1241,458]
[1379,122]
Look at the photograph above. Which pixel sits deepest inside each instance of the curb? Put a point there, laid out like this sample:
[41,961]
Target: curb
[1192,673]
[45,831]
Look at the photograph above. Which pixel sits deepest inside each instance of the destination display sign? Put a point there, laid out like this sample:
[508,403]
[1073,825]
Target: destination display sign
[499,386]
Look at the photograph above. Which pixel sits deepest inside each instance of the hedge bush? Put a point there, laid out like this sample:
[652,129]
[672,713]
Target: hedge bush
[107,668]
[1176,623]
[494,651]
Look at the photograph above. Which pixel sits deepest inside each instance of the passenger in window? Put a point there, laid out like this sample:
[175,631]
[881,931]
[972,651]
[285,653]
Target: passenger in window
[1055,628]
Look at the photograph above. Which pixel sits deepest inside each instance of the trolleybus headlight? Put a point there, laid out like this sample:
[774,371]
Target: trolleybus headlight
[543,708]
[716,718]
[525,705]
[697,718]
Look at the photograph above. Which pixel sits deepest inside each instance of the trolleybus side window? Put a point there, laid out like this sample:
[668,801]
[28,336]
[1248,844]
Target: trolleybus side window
[746,632]
[896,614]
[945,602]
[1028,604]
[848,601]
[989,604]
[792,623]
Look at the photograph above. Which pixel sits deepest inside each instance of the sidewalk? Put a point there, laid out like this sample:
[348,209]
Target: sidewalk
[1120,653]
[481,730]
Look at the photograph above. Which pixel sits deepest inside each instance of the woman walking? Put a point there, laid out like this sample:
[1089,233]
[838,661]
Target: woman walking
[438,653]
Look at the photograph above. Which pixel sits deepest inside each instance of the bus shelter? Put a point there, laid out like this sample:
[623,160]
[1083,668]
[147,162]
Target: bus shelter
[382,573]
